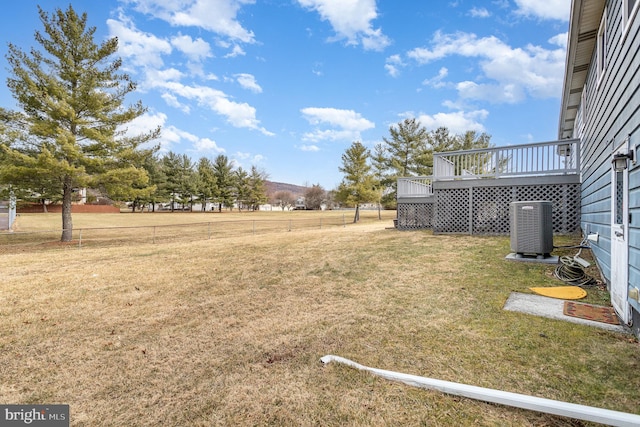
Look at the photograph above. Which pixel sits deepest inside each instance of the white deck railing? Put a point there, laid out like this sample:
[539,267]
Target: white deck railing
[540,159]
[418,186]
[544,158]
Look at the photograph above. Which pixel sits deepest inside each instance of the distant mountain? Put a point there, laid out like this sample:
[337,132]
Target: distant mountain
[274,187]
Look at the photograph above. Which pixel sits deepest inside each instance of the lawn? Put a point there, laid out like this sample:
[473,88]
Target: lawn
[230,330]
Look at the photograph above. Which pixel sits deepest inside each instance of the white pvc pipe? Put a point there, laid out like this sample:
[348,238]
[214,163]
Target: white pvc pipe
[555,407]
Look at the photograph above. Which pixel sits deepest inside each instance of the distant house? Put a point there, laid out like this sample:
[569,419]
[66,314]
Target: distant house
[601,107]
[300,204]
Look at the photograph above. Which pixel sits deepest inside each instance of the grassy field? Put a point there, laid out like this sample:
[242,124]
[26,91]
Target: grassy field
[123,229]
[230,330]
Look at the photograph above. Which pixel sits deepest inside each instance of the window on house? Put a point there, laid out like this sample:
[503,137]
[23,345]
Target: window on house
[578,129]
[601,52]
[619,206]
[629,9]
[581,117]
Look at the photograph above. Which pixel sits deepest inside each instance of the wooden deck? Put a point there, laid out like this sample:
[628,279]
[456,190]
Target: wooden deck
[527,162]
[470,191]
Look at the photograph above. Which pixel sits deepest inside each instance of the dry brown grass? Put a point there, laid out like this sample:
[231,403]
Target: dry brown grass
[229,331]
[42,231]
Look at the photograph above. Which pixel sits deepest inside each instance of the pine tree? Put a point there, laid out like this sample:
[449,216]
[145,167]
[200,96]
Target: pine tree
[257,188]
[241,187]
[207,184]
[157,177]
[358,185]
[223,170]
[408,149]
[181,178]
[71,95]
[379,168]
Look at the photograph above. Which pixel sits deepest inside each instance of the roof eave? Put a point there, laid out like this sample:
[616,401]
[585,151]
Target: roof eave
[572,44]
[583,27]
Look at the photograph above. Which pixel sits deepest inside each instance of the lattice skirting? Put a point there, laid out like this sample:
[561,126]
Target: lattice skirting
[415,216]
[485,210]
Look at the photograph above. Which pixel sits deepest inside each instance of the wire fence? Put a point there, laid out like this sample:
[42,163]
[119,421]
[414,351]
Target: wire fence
[126,236]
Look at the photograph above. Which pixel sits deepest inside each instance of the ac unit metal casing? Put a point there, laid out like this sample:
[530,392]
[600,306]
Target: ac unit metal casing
[531,227]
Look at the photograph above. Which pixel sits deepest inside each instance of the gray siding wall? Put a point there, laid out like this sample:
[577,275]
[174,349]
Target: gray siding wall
[611,113]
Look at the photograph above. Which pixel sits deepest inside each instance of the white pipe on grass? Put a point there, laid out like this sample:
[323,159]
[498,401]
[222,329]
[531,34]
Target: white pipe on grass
[555,407]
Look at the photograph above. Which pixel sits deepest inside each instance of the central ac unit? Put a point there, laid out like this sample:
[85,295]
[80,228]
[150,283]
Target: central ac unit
[531,227]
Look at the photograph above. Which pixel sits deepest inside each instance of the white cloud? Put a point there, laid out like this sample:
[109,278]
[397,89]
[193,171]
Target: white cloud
[170,135]
[207,145]
[146,123]
[236,51]
[196,50]
[172,101]
[457,122]
[248,81]
[346,119]
[344,124]
[219,16]
[146,51]
[238,114]
[392,70]
[436,81]
[479,12]
[312,148]
[253,158]
[142,49]
[560,40]
[496,93]
[351,20]
[393,64]
[548,9]
[317,69]
[159,76]
[512,72]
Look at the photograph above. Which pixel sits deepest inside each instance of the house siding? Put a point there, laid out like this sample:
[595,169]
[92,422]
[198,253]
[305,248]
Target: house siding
[611,114]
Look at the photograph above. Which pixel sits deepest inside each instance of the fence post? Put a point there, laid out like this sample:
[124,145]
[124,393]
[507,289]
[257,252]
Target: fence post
[154,234]
[12,209]
[80,239]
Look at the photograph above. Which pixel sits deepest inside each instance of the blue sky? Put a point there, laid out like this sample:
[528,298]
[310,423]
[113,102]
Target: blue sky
[288,85]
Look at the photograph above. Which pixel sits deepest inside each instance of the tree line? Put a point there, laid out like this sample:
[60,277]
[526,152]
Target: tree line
[176,179]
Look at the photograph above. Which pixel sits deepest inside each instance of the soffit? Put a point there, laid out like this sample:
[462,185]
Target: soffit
[583,30]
